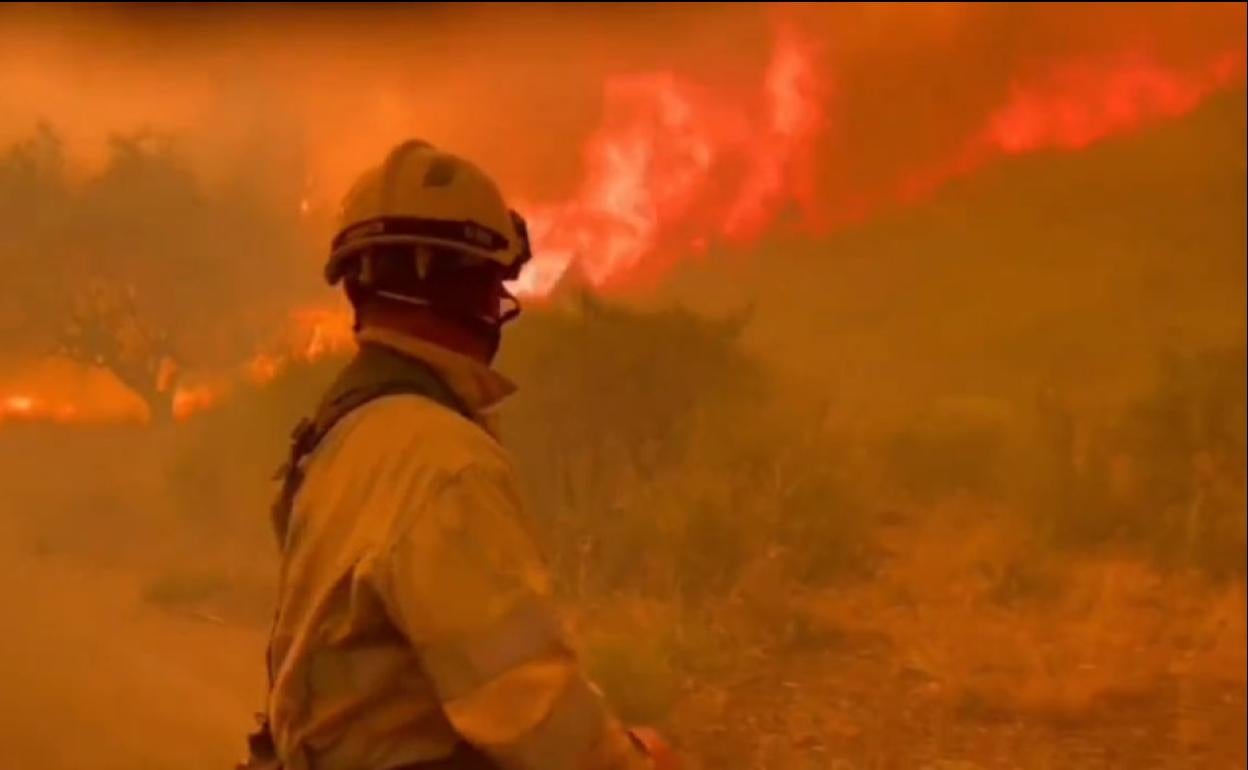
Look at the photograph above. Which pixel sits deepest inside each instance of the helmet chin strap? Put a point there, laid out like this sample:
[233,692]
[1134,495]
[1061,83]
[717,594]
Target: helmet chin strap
[491,329]
[404,298]
[408,299]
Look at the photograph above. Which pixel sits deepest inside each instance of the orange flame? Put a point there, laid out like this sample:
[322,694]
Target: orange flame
[31,409]
[188,401]
[325,331]
[1079,103]
[59,391]
[263,368]
[26,408]
[674,166]
[19,405]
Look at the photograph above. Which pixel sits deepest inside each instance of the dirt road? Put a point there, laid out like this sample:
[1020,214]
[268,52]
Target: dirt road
[94,679]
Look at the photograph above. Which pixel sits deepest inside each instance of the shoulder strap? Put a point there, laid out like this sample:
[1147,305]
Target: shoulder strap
[375,372]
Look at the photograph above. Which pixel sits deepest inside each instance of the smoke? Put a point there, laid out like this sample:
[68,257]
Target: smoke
[633,137]
[934,212]
[521,89]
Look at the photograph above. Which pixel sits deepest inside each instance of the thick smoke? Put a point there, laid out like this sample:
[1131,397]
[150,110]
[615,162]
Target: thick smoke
[197,153]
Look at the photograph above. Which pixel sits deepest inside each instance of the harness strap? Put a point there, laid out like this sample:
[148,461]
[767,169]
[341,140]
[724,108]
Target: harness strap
[376,371]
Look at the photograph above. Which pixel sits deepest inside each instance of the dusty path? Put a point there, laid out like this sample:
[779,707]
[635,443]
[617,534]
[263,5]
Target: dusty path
[94,679]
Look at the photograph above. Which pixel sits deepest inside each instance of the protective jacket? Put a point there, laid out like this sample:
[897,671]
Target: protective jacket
[414,623]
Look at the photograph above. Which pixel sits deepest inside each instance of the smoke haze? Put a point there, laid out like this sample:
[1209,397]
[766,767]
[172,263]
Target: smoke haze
[881,380]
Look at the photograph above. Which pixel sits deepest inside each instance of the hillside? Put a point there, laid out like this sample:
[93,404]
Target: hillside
[1071,267]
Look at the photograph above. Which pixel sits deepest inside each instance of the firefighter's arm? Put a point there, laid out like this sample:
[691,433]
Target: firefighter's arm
[470,590]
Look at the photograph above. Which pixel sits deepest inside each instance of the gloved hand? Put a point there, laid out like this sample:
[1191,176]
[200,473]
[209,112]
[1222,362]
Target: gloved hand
[660,752]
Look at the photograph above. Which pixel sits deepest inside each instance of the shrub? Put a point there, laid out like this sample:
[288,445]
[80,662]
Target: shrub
[825,530]
[1167,478]
[710,550]
[603,431]
[954,446]
[1187,438]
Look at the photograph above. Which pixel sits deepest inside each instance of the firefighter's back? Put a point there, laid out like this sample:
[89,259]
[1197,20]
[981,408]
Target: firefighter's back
[348,690]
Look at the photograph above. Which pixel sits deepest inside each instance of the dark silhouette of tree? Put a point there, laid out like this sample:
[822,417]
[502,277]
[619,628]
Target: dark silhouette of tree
[143,270]
[105,328]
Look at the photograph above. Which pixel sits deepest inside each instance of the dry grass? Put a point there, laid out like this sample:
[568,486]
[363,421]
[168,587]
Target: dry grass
[1115,665]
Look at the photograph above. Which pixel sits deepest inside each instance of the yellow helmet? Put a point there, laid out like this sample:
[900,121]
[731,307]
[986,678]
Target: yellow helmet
[422,196]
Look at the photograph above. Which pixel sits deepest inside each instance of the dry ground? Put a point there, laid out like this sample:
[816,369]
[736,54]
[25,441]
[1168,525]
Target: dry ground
[954,656]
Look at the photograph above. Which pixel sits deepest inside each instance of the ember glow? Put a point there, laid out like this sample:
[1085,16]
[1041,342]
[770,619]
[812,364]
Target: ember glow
[190,400]
[32,409]
[320,331]
[60,391]
[25,408]
[313,333]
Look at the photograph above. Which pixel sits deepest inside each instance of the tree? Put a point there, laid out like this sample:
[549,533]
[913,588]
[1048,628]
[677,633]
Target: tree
[106,329]
[35,209]
[143,269]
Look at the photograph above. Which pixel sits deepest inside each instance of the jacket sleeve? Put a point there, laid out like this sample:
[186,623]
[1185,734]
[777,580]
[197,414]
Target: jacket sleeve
[467,585]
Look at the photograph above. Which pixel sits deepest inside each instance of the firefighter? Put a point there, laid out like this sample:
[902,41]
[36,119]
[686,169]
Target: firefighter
[414,627]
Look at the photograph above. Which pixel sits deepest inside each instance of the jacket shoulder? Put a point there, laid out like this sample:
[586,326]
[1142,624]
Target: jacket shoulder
[415,428]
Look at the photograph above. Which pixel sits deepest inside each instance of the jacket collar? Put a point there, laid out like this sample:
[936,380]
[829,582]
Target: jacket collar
[478,386]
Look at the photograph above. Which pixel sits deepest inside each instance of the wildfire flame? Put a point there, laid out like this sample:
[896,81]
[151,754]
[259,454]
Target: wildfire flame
[676,166]
[1083,102]
[323,331]
[58,391]
[189,400]
[263,368]
[30,408]
[313,334]
[1079,103]
[19,404]
[62,391]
